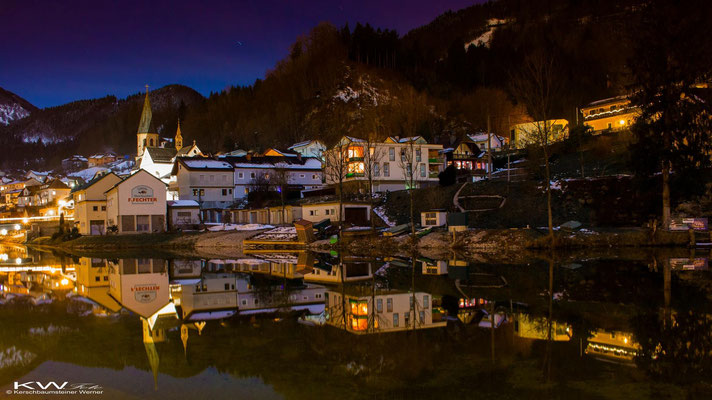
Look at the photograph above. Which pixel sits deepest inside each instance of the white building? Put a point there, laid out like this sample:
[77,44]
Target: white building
[497,143]
[301,172]
[309,148]
[392,162]
[207,181]
[137,204]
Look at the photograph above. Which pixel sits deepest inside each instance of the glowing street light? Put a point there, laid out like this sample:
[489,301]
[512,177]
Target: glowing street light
[17,227]
[3,232]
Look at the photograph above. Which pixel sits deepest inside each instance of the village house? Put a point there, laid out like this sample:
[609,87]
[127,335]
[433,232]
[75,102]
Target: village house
[610,115]
[382,311]
[309,148]
[497,143]
[183,214]
[531,133]
[207,181]
[273,171]
[137,204]
[391,162]
[75,163]
[52,193]
[90,204]
[40,177]
[99,159]
[466,156]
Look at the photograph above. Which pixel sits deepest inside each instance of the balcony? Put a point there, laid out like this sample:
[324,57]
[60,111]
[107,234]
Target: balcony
[353,159]
[436,160]
[355,175]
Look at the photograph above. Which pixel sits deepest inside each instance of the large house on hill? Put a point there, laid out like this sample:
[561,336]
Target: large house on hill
[391,160]
[610,115]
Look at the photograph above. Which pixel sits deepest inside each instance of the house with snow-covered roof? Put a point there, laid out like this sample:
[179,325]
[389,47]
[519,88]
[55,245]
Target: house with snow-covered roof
[206,181]
[301,173]
[309,148]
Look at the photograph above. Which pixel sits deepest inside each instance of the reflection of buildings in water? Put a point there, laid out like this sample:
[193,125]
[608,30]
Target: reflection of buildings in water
[612,345]
[221,295]
[201,298]
[183,269]
[140,285]
[302,265]
[432,267]
[479,311]
[382,311]
[93,283]
[529,327]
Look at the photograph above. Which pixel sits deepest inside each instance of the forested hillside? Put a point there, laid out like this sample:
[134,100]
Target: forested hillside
[443,78]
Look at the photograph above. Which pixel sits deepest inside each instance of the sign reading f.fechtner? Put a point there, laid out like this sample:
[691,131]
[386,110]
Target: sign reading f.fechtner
[142,194]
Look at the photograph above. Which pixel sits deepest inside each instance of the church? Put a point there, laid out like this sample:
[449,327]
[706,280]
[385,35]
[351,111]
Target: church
[153,156]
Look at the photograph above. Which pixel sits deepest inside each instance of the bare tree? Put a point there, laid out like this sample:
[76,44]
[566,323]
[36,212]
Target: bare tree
[409,160]
[536,85]
[335,170]
[372,156]
[280,180]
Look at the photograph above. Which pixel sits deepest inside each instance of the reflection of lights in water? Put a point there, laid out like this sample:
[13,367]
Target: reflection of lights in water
[3,257]
[18,260]
[64,282]
[3,232]
[17,227]
[625,340]
[25,220]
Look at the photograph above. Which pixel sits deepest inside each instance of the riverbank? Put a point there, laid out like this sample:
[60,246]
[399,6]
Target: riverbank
[221,244]
[477,243]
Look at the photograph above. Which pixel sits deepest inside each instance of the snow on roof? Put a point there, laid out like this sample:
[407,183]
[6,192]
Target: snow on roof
[205,163]
[183,203]
[309,164]
[88,174]
[300,144]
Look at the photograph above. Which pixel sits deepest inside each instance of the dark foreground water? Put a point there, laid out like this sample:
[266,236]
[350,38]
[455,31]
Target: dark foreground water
[304,325]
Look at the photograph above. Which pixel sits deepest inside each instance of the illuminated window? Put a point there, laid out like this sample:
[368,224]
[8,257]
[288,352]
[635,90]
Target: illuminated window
[359,308]
[359,324]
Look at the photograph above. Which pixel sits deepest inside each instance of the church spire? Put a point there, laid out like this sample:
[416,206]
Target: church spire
[144,126]
[179,137]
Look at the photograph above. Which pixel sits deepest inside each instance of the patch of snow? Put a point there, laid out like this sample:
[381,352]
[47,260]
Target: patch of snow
[50,330]
[381,212]
[486,37]
[240,227]
[14,357]
[12,112]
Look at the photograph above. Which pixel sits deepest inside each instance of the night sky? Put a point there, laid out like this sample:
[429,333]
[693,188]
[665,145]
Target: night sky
[53,52]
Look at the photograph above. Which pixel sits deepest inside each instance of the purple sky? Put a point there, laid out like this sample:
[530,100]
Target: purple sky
[53,52]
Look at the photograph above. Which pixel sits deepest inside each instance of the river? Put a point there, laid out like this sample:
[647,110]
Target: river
[327,325]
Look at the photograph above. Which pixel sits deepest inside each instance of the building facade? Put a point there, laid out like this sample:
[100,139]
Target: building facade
[393,164]
[610,115]
[90,204]
[137,204]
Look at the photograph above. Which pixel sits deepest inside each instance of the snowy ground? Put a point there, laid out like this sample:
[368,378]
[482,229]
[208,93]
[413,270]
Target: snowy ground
[381,212]
[239,227]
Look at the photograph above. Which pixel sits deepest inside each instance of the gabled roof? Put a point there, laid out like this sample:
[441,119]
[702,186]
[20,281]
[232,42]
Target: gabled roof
[131,176]
[414,139]
[92,182]
[304,143]
[56,184]
[161,155]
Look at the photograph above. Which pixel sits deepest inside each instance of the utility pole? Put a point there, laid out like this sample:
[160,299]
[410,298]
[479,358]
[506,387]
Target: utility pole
[489,147]
[509,150]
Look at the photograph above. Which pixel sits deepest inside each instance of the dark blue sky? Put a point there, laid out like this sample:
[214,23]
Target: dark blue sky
[56,51]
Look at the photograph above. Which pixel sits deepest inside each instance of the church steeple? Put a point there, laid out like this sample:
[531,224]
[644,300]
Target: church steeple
[146,135]
[144,126]
[179,138]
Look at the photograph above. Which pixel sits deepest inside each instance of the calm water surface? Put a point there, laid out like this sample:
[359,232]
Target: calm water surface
[305,325]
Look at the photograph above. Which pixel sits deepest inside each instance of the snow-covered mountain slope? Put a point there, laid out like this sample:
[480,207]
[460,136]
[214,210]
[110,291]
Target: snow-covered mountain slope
[13,107]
